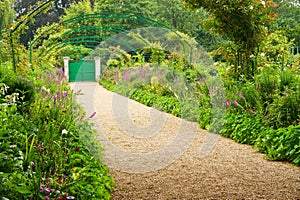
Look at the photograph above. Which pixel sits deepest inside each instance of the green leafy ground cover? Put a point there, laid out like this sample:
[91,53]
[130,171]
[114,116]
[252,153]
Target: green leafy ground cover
[46,142]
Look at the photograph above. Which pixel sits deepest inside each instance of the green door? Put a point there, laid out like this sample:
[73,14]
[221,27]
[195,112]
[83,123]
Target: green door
[83,70]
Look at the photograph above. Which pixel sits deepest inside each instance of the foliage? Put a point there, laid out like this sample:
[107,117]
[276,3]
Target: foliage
[47,151]
[5,50]
[17,85]
[288,20]
[7,14]
[165,81]
[278,144]
[275,49]
[243,22]
[22,7]
[267,104]
[281,144]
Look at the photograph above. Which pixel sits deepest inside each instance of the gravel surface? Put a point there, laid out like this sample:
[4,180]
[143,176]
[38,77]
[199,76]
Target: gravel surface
[154,155]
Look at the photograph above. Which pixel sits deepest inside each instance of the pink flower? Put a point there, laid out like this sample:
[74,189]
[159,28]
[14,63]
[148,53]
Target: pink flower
[41,188]
[235,102]
[94,113]
[257,88]
[47,198]
[252,111]
[65,94]
[228,103]
[240,95]
[116,78]
[48,190]
[80,119]
[55,170]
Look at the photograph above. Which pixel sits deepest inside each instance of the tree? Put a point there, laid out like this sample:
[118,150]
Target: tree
[242,21]
[288,21]
[169,12]
[124,6]
[22,7]
[174,14]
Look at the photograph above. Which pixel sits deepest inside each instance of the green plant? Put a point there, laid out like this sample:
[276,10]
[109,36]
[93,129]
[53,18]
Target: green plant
[281,144]
[40,147]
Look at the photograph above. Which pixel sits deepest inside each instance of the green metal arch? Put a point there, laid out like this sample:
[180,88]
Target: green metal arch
[90,39]
[85,39]
[95,28]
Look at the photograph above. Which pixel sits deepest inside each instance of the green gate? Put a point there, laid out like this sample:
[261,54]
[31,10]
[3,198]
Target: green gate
[83,70]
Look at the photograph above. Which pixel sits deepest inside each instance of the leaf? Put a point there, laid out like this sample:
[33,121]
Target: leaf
[23,190]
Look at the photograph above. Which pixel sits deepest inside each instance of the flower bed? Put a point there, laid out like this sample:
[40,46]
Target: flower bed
[47,146]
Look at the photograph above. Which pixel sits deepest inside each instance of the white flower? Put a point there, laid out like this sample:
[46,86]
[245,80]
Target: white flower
[263,3]
[263,54]
[251,56]
[64,131]
[251,7]
[45,89]
[3,88]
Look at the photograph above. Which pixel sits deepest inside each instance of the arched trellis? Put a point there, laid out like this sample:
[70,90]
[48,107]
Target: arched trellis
[84,39]
[38,10]
[141,20]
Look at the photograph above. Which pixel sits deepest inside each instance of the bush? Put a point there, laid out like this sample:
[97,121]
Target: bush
[49,150]
[22,86]
[281,144]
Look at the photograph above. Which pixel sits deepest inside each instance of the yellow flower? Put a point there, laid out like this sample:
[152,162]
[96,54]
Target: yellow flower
[75,176]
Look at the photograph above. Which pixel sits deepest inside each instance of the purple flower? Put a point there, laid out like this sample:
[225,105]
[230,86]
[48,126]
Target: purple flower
[41,188]
[116,77]
[55,170]
[47,180]
[47,198]
[54,99]
[64,94]
[127,74]
[228,103]
[32,164]
[94,113]
[48,190]
[257,88]
[235,102]
[80,119]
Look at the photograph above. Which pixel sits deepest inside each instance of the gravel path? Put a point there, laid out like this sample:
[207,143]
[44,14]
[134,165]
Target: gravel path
[154,155]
